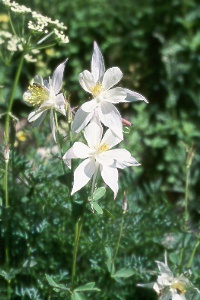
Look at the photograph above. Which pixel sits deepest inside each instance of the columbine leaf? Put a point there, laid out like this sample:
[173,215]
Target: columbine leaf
[97,208]
[108,252]
[87,287]
[125,273]
[77,296]
[51,281]
[99,193]
[108,213]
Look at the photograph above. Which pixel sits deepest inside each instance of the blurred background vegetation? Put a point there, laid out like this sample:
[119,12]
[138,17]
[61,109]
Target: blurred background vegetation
[157,46]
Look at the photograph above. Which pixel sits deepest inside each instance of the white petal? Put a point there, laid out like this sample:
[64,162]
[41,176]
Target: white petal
[133,96]
[60,104]
[178,297]
[110,139]
[47,104]
[111,77]
[122,156]
[83,174]
[81,119]
[58,77]
[97,64]
[86,80]
[89,105]
[110,177]
[67,157]
[105,160]
[40,118]
[38,79]
[53,125]
[111,118]
[80,150]
[163,268]
[34,115]
[115,95]
[93,133]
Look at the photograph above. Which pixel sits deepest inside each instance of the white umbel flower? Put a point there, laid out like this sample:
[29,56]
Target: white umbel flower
[100,84]
[45,95]
[98,155]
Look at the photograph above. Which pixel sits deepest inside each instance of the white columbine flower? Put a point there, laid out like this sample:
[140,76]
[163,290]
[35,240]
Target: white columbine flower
[44,94]
[100,84]
[169,287]
[97,156]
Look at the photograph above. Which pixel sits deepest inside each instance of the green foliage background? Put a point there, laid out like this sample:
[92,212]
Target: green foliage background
[157,46]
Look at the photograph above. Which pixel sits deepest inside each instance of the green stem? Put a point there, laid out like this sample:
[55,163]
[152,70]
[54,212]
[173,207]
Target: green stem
[12,98]
[186,196]
[193,253]
[59,141]
[118,243]
[6,185]
[7,125]
[78,228]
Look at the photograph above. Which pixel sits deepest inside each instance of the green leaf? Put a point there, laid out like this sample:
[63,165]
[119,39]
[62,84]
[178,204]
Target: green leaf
[51,281]
[108,213]
[87,287]
[99,193]
[77,296]
[125,273]
[108,252]
[97,208]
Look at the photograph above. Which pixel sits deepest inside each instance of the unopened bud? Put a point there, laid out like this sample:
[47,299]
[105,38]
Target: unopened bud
[6,154]
[126,122]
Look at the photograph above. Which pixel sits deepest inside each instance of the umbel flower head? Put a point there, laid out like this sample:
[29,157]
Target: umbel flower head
[100,84]
[98,155]
[44,95]
[169,287]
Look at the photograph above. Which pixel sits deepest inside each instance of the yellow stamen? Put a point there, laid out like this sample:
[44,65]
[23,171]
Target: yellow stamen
[96,90]
[179,286]
[38,95]
[102,148]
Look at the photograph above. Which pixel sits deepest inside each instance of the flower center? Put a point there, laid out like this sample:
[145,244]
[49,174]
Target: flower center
[180,287]
[38,95]
[102,148]
[96,90]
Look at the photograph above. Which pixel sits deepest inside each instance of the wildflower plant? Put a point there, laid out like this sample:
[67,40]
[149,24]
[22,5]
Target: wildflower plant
[92,133]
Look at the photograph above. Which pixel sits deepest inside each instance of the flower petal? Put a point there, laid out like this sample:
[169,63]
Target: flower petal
[133,96]
[110,177]
[78,150]
[93,133]
[110,139]
[89,105]
[37,114]
[81,119]
[38,79]
[83,174]
[115,95]
[58,77]
[111,77]
[60,104]
[86,80]
[97,64]
[164,269]
[111,118]
[53,125]
[123,158]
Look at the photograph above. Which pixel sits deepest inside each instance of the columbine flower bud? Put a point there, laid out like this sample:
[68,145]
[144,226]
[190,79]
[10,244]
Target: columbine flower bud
[6,154]
[126,122]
